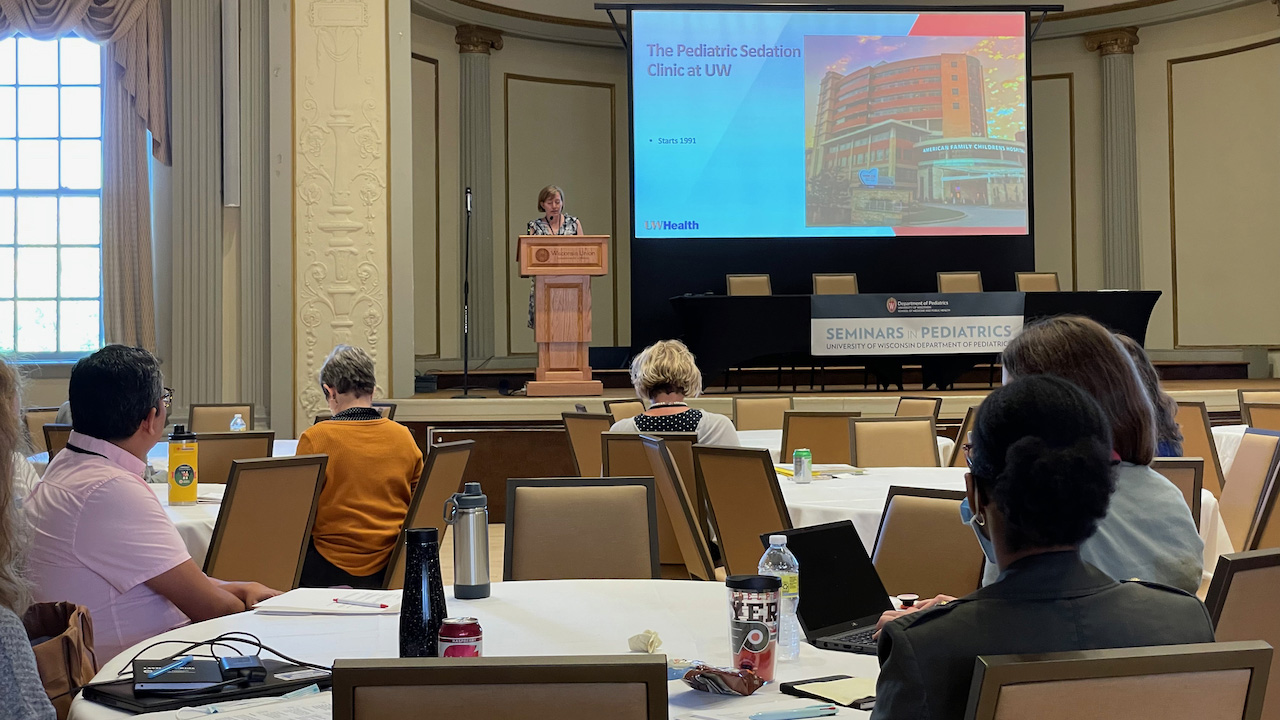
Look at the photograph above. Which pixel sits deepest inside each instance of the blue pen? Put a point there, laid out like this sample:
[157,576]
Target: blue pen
[180,662]
[811,711]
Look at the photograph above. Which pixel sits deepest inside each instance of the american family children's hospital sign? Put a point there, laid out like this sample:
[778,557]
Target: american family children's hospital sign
[914,324]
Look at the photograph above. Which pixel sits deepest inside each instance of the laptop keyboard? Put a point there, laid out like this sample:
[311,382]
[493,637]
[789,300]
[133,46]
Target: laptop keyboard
[857,637]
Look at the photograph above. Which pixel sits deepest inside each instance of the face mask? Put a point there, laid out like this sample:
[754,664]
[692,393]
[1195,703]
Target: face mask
[967,517]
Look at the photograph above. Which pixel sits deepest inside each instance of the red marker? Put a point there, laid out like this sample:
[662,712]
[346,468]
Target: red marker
[359,603]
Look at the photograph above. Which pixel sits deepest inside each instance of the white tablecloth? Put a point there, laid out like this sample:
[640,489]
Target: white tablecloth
[194,522]
[772,439]
[1227,440]
[562,617]
[158,456]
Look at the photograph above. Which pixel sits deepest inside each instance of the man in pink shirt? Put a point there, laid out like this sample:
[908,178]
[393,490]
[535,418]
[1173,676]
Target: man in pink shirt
[101,538]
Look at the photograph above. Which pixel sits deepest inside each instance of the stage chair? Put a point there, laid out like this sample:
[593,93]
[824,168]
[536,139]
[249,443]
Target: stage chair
[760,413]
[584,439]
[744,500]
[55,437]
[919,407]
[1257,396]
[34,420]
[747,285]
[1210,681]
[386,409]
[624,456]
[619,687]
[441,478]
[686,528]
[216,417]
[959,282]
[922,548]
[1197,441]
[1243,605]
[1037,281]
[580,528]
[265,522]
[825,434]
[962,437]
[218,449]
[1188,475]
[893,442]
[1261,415]
[835,283]
[1253,471]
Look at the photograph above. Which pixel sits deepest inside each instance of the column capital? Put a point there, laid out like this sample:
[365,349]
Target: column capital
[1116,41]
[477,39]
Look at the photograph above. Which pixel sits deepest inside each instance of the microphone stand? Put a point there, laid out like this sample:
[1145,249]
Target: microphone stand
[466,310]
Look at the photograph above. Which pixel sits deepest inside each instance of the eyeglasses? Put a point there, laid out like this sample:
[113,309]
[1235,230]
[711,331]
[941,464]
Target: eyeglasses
[968,454]
[166,397]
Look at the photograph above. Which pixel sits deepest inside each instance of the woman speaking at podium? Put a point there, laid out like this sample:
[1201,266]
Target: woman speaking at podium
[552,222]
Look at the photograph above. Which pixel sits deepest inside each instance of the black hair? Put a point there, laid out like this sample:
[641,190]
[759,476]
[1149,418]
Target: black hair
[113,390]
[1042,453]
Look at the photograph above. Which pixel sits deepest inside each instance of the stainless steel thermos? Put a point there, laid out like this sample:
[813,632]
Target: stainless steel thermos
[468,513]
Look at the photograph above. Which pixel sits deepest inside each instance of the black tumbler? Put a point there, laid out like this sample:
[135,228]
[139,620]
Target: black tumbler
[422,607]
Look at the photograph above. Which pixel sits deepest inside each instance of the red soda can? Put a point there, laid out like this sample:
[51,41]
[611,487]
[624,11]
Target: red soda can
[461,637]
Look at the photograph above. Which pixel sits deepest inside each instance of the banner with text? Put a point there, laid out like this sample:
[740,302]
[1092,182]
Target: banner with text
[914,323]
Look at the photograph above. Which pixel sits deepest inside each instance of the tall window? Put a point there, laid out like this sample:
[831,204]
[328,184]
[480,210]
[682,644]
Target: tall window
[50,197]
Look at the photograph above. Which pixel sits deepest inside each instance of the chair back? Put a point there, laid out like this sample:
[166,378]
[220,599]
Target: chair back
[1244,605]
[962,437]
[1187,474]
[684,522]
[835,283]
[747,285]
[55,437]
[825,434]
[744,500]
[1037,281]
[1264,416]
[385,409]
[217,450]
[265,520]
[34,419]
[1252,471]
[578,528]
[1257,396]
[619,687]
[923,548]
[1210,681]
[918,407]
[893,442]
[959,282]
[217,417]
[622,409]
[1197,441]
[1266,529]
[760,413]
[624,456]
[584,439]
[441,478]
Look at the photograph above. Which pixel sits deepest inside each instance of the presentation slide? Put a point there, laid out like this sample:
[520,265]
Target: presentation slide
[829,124]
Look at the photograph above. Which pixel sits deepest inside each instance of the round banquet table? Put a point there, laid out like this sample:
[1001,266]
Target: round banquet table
[194,522]
[1226,438]
[158,456]
[548,617]
[772,439]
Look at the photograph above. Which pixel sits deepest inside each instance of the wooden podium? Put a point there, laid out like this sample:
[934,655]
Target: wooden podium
[562,266]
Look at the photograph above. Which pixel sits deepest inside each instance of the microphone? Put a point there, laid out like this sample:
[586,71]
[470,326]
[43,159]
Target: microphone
[468,199]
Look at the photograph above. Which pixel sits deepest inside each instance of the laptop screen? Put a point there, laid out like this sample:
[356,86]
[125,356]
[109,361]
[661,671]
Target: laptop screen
[838,583]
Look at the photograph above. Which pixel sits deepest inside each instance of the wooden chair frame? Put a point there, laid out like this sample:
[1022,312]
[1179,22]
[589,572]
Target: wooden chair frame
[1018,277]
[896,490]
[766,465]
[1266,509]
[701,566]
[608,407]
[609,438]
[853,440]
[567,418]
[786,425]
[1220,477]
[268,435]
[937,406]
[49,430]
[728,281]
[419,492]
[248,421]
[966,427]
[1241,393]
[1215,600]
[853,276]
[760,397]
[955,273]
[390,406]
[29,430]
[1197,465]
[1246,411]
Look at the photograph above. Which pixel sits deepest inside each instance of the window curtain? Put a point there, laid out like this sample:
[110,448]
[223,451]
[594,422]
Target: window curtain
[134,92]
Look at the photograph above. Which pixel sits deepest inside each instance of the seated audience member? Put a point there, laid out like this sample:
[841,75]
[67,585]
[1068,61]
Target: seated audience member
[374,465]
[25,476]
[1040,477]
[102,539]
[22,696]
[1168,436]
[664,374]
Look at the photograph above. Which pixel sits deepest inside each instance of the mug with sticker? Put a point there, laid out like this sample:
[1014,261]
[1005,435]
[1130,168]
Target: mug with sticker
[753,622]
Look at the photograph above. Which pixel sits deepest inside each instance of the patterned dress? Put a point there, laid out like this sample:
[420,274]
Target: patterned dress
[568,226]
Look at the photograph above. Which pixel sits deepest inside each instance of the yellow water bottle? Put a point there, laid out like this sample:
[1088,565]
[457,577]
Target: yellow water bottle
[182,467]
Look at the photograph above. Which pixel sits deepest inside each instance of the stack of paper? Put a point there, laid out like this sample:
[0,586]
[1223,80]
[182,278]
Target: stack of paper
[330,601]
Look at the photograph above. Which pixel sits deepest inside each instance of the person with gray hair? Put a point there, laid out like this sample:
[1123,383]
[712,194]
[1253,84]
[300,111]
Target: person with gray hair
[374,465]
[664,374]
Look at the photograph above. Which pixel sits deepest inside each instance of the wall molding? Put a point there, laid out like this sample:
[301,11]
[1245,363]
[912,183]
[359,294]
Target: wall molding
[1071,109]
[435,63]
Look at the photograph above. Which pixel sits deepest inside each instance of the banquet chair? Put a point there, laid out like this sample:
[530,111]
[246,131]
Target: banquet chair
[959,282]
[581,528]
[1244,605]
[1265,534]
[918,407]
[1253,471]
[619,687]
[623,409]
[760,413]
[893,442]
[962,437]
[1261,415]
[689,538]
[584,439]
[55,437]
[1037,281]
[216,417]
[1257,396]
[747,285]
[835,283]
[216,451]
[1197,441]
[441,478]
[386,409]
[1209,681]
[34,420]
[623,455]
[1187,474]
[824,433]
[744,500]
[265,521]
[923,548]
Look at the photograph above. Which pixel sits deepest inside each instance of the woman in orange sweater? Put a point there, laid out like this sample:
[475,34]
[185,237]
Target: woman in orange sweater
[374,465]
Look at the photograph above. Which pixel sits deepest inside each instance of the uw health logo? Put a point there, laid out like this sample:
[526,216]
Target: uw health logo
[670,224]
[891,305]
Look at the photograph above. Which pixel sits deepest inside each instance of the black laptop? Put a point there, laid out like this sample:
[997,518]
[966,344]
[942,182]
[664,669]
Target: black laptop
[841,596]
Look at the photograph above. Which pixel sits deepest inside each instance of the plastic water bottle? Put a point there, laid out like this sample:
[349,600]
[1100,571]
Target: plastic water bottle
[782,564]
[237,424]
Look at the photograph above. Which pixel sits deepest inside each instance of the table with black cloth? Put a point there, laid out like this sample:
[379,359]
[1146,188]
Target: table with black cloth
[773,330]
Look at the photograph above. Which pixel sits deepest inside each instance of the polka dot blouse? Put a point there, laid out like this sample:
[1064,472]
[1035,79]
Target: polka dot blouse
[686,421]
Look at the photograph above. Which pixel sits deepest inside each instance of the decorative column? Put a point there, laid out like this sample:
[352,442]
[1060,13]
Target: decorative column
[474,44]
[255,215]
[1123,267]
